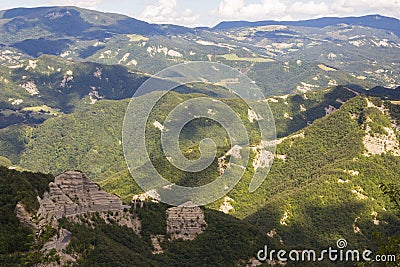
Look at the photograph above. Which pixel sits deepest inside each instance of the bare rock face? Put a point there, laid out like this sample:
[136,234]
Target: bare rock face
[73,193]
[59,243]
[74,196]
[185,221]
[24,216]
[155,240]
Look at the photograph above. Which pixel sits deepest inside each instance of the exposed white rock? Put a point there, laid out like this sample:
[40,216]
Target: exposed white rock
[329,110]
[381,43]
[287,116]
[282,157]
[155,241]
[32,64]
[98,73]
[285,217]
[304,87]
[273,100]
[332,82]
[173,53]
[352,172]
[16,102]
[331,56]
[359,193]
[377,144]
[263,159]
[65,54]
[30,87]
[357,43]
[133,62]
[356,229]
[226,206]
[66,79]
[234,152]
[94,95]
[124,58]
[158,125]
[253,116]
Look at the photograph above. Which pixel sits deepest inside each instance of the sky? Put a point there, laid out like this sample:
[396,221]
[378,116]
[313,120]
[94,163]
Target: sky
[210,12]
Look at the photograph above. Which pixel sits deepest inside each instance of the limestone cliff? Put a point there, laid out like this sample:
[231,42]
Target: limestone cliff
[73,193]
[185,222]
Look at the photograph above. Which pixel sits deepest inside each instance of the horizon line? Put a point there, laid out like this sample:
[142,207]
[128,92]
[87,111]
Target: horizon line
[203,26]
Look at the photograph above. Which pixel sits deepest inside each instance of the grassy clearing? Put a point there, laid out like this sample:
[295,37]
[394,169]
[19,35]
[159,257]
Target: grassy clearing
[325,68]
[137,38]
[234,57]
[52,111]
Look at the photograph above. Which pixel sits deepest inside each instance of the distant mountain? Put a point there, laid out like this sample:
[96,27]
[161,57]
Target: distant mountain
[372,21]
[50,29]
[67,75]
[282,57]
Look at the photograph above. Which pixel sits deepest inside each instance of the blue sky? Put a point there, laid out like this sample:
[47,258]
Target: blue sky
[210,12]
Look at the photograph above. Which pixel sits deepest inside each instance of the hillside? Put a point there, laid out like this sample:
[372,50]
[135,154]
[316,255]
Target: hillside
[373,21]
[61,23]
[335,194]
[15,237]
[307,54]
[68,197]
[90,140]
[338,156]
[99,233]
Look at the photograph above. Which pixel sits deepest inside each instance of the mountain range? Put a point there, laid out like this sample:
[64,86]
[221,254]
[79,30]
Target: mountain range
[67,75]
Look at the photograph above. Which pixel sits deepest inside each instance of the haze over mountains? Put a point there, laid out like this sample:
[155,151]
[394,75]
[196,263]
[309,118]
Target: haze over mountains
[67,75]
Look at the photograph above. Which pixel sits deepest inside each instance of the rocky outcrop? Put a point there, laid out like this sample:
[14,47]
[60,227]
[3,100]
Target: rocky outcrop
[185,221]
[377,144]
[59,243]
[24,216]
[73,193]
[74,196]
[155,241]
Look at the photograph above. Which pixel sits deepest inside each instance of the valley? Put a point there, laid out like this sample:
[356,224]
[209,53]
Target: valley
[67,77]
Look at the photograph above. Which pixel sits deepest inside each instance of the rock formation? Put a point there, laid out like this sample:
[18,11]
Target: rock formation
[59,243]
[73,193]
[185,221]
[24,216]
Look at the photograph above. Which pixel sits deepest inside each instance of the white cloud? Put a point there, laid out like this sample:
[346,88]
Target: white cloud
[237,9]
[307,8]
[79,3]
[288,10]
[383,7]
[166,11]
